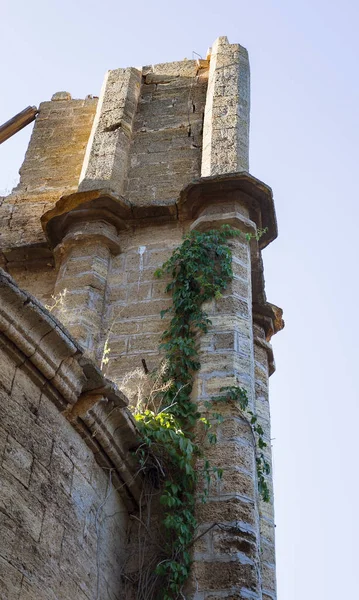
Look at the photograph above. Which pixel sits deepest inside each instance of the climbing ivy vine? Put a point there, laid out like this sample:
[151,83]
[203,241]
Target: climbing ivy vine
[200,270]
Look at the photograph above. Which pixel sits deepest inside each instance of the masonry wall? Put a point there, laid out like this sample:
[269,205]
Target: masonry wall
[167,132]
[56,151]
[127,211]
[62,523]
[135,298]
[37,278]
[51,167]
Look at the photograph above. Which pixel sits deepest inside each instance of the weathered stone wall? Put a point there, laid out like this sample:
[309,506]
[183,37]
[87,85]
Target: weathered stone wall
[51,167]
[62,521]
[56,151]
[107,152]
[38,279]
[167,138]
[135,298]
[20,220]
[56,539]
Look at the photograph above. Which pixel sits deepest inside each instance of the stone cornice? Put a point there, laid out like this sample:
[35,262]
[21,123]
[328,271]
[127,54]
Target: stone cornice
[270,317]
[104,204]
[84,207]
[255,194]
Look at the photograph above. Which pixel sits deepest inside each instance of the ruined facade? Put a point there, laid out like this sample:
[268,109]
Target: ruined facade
[107,189]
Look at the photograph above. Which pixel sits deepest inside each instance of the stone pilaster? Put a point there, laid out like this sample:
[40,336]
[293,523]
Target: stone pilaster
[226,117]
[267,320]
[266,509]
[84,236]
[227,555]
[83,258]
[107,153]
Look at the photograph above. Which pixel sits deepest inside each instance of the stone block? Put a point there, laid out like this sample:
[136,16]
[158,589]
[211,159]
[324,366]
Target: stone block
[232,305]
[221,575]
[26,511]
[17,461]
[232,541]
[141,309]
[235,428]
[146,275]
[144,343]
[228,510]
[138,292]
[268,578]
[30,591]
[63,467]
[212,385]
[236,482]
[8,529]
[122,327]
[10,581]
[267,553]
[8,369]
[155,325]
[3,436]
[232,454]
[267,531]
[21,425]
[224,341]
[52,533]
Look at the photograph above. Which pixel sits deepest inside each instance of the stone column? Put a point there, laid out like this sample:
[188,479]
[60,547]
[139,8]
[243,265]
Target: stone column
[83,230]
[226,117]
[83,258]
[228,559]
[107,154]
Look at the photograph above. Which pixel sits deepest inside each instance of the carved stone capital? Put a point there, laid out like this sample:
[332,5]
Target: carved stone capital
[270,317]
[86,215]
[232,189]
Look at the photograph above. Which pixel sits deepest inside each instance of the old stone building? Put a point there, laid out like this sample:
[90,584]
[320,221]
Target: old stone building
[107,190]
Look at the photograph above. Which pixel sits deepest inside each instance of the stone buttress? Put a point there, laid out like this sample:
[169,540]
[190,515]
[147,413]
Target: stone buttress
[167,153]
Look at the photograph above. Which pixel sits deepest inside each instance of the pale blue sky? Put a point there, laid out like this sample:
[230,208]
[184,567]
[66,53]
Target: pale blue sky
[304,144]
